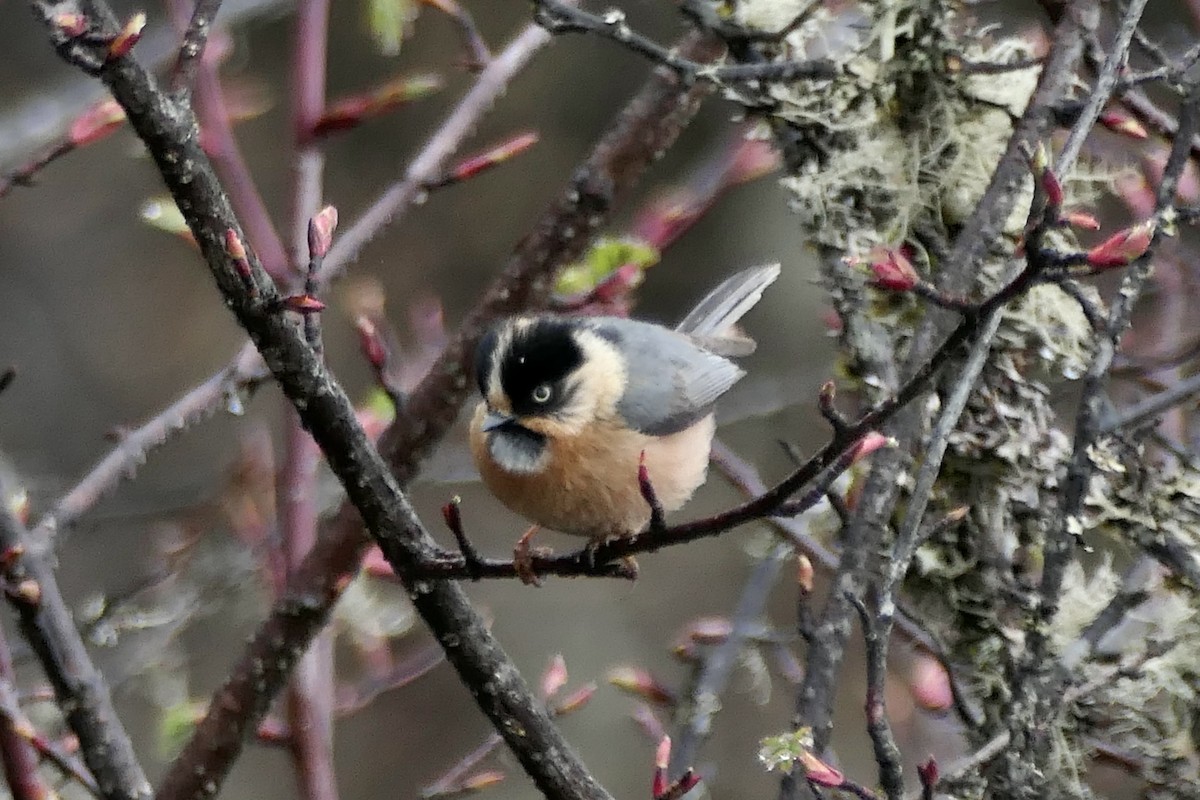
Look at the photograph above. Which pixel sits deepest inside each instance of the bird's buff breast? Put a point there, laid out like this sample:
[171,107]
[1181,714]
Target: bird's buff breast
[587,484]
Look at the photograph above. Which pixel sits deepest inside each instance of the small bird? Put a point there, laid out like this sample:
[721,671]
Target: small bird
[573,405]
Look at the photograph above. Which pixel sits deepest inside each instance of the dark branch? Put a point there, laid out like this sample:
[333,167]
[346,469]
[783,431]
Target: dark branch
[191,50]
[47,624]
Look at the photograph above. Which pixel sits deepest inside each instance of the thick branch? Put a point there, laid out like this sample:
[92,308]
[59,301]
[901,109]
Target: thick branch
[648,126]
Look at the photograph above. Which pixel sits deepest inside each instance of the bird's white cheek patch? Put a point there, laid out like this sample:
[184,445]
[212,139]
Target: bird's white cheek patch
[518,452]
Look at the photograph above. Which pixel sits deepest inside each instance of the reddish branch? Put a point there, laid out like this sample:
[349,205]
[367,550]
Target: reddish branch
[310,697]
[20,758]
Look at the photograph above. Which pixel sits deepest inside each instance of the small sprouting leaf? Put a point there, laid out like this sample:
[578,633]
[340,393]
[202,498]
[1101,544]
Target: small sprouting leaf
[162,213]
[780,752]
[606,256]
[176,724]
[390,21]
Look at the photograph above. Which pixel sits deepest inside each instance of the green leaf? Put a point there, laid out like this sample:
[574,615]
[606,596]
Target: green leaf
[780,752]
[390,21]
[605,256]
[176,723]
[162,213]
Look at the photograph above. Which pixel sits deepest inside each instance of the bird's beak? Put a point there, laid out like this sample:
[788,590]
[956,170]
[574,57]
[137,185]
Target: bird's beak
[494,420]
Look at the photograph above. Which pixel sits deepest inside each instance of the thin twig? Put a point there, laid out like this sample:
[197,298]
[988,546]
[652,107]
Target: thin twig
[887,753]
[714,674]
[310,697]
[194,39]
[80,690]
[453,776]
[135,445]
[1150,407]
[430,162]
[560,17]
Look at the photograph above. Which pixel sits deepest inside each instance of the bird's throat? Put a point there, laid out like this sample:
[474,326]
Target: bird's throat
[517,449]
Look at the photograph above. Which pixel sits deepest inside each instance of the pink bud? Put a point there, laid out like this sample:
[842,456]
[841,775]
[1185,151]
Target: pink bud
[472,166]
[1081,219]
[867,444]
[804,573]
[1119,122]
[662,758]
[303,304]
[320,231]
[233,245]
[818,772]
[370,342]
[1123,247]
[575,700]
[124,41]
[481,780]
[555,676]
[97,122]
[930,684]
[641,683]
[71,25]
[893,271]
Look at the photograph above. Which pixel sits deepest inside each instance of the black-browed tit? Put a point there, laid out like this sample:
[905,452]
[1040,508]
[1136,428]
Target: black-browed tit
[571,403]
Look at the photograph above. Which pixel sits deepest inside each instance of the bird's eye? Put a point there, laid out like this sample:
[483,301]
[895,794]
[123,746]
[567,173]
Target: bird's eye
[542,393]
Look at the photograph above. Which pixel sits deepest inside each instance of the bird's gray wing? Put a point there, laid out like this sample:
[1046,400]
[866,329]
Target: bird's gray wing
[672,382]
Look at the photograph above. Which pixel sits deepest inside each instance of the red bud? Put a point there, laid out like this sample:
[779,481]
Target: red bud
[97,122]
[575,700]
[555,676]
[1119,122]
[124,41]
[303,304]
[688,781]
[1081,219]
[869,443]
[818,772]
[662,758]
[1052,187]
[929,772]
[893,271]
[472,166]
[1123,247]
[320,231]
[72,25]
[371,343]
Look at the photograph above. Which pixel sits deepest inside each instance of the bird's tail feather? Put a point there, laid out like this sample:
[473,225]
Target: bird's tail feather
[711,322]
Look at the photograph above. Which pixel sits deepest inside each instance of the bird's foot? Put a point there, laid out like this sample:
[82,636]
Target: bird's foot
[523,555]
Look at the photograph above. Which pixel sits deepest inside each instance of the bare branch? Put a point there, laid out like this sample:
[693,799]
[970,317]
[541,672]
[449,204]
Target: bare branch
[46,623]
[194,39]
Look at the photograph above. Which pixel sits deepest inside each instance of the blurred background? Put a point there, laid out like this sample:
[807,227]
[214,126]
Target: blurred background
[108,319]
